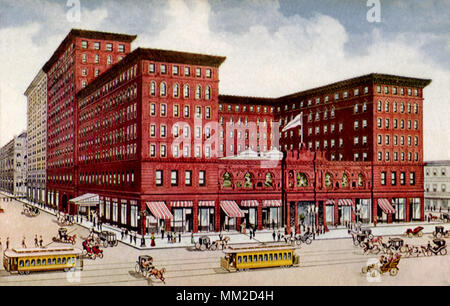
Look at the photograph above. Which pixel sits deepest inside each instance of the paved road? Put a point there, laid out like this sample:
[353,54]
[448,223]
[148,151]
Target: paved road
[324,262]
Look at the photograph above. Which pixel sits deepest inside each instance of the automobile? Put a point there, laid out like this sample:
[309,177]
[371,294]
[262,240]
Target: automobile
[440,247]
[144,264]
[439,232]
[63,237]
[418,231]
[389,266]
[204,243]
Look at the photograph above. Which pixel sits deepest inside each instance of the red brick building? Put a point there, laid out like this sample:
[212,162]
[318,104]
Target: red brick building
[152,137]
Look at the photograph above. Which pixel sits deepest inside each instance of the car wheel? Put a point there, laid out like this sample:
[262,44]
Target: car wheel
[439,235]
[443,252]
[393,272]
[420,234]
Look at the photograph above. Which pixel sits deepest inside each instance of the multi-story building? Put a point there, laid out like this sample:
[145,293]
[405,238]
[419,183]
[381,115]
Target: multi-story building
[79,59]
[158,145]
[437,185]
[36,95]
[13,166]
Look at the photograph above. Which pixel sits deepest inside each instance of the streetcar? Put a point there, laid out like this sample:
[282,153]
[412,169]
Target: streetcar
[240,258]
[24,261]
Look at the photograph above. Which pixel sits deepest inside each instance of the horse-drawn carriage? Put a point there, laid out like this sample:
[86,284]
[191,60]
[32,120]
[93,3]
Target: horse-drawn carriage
[64,220]
[440,247]
[145,267]
[445,217]
[63,237]
[439,232]
[418,231]
[386,265]
[204,243]
[91,249]
[394,245]
[108,238]
[30,211]
[359,238]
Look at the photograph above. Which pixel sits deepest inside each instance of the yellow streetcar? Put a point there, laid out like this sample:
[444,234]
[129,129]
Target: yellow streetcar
[240,258]
[29,260]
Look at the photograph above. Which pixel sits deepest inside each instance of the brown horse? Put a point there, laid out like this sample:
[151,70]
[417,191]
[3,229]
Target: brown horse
[159,274]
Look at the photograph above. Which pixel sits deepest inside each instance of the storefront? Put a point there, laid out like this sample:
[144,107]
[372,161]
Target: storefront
[384,209]
[399,205]
[306,213]
[206,216]
[230,212]
[363,209]
[182,216]
[329,212]
[271,213]
[345,211]
[414,210]
[249,207]
[159,216]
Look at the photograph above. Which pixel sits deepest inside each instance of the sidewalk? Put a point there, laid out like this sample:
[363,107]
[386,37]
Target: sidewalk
[340,232]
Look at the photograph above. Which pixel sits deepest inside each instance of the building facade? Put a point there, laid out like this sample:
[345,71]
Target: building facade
[36,95]
[437,185]
[13,166]
[152,137]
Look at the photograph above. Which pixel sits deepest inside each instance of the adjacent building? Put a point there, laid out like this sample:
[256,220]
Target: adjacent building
[437,185]
[13,166]
[36,94]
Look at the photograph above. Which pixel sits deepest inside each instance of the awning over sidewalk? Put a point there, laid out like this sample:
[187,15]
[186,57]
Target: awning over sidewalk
[345,202]
[386,206]
[206,203]
[159,210]
[271,203]
[88,199]
[231,209]
[181,204]
[329,202]
[249,203]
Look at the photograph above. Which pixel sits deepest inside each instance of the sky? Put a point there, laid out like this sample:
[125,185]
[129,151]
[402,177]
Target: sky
[273,48]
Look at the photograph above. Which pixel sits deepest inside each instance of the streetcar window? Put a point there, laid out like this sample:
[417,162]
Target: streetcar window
[59,261]
[49,261]
[285,256]
[64,260]
[275,257]
[73,260]
[260,258]
[255,258]
[239,259]
[245,258]
[265,257]
[250,258]
[54,261]
[38,262]
[32,262]
[280,256]
[289,256]
[21,263]
[43,262]
[27,263]
[270,257]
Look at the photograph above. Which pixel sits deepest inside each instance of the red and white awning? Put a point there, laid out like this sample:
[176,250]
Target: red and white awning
[206,203]
[345,202]
[249,203]
[271,203]
[386,206]
[329,202]
[181,204]
[159,210]
[231,209]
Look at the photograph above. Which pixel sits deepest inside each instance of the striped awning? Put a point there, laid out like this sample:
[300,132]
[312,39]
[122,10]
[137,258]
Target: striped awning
[329,202]
[271,203]
[386,206]
[231,209]
[206,203]
[88,199]
[345,202]
[249,203]
[181,204]
[159,210]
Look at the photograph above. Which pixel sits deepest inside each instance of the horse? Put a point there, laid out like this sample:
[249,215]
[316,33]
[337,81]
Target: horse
[377,239]
[159,274]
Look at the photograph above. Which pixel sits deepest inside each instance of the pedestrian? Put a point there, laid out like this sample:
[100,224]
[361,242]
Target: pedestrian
[126,232]
[24,245]
[131,238]
[254,231]
[135,236]
[168,237]
[274,235]
[153,240]
[162,232]
[192,238]
[0,244]
[250,234]
[279,236]
[273,224]
[220,236]
[179,237]
[41,241]
[36,242]
[375,221]
[122,233]
[7,243]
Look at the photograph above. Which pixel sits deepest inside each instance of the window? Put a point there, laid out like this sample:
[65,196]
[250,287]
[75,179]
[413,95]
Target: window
[188,178]
[152,109]
[198,72]
[152,150]
[163,151]
[174,177]
[187,71]
[208,73]
[152,130]
[207,112]
[97,59]
[176,110]
[186,111]
[202,178]
[159,177]
[412,178]
[163,89]
[163,68]
[402,178]
[163,130]
[393,178]
[208,93]
[152,88]
[198,92]
[163,110]
[84,58]
[379,106]
[186,91]
[151,68]
[109,60]
[175,70]
[383,178]
[121,48]
[84,44]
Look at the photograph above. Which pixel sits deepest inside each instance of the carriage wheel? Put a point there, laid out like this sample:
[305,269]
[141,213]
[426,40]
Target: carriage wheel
[443,252]
[410,235]
[439,235]
[203,247]
[308,241]
[299,242]
[364,270]
[403,249]
[93,256]
[374,273]
[105,244]
[393,272]
[429,253]
[371,236]
[27,272]
[100,255]
[213,247]
[420,234]
[116,243]
[197,246]
[137,268]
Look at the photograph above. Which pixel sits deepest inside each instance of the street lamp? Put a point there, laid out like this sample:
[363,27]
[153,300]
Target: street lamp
[142,215]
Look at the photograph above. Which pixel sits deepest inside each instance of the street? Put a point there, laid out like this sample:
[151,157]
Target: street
[324,262]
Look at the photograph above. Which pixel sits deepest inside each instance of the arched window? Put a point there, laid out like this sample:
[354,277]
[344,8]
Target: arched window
[226,180]
[163,89]
[360,180]
[198,92]
[344,180]
[176,90]
[186,91]
[248,180]
[386,106]
[152,88]
[327,180]
[268,182]
[208,93]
